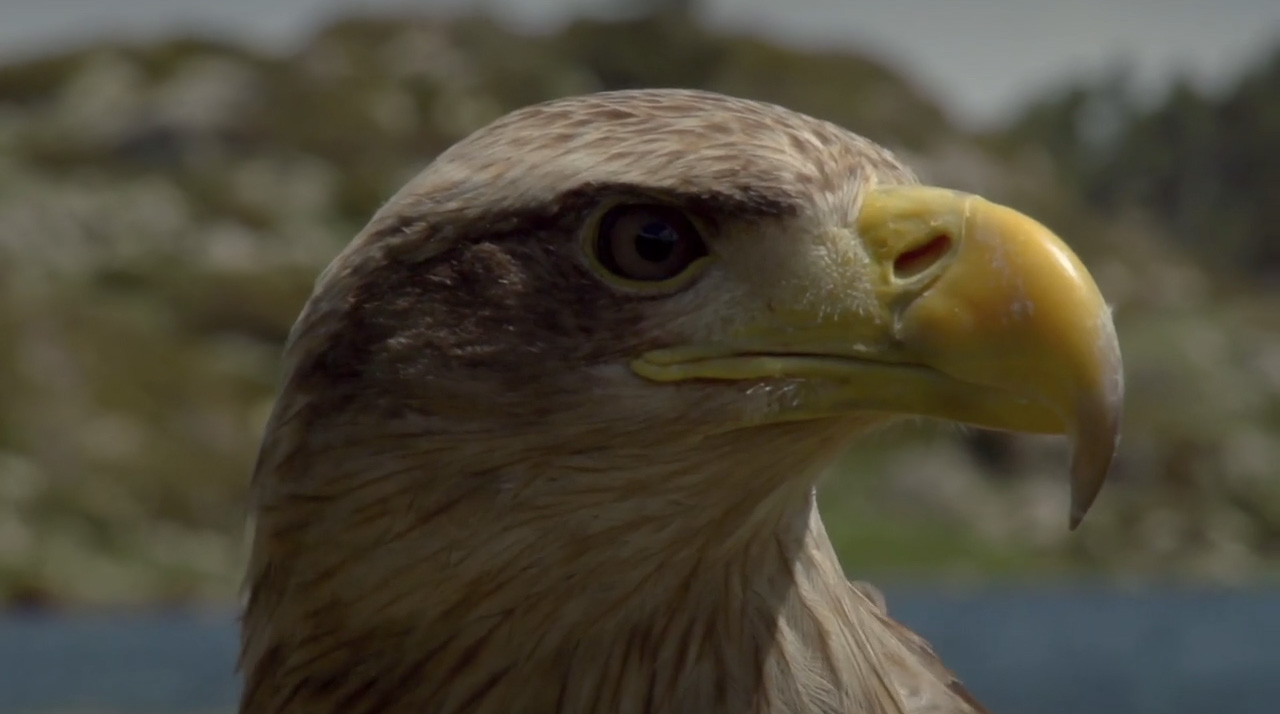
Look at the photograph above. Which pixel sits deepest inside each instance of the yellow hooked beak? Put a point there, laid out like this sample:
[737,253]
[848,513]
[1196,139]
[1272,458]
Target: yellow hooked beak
[954,308]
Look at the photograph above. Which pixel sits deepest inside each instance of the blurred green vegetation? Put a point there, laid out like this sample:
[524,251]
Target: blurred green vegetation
[164,209]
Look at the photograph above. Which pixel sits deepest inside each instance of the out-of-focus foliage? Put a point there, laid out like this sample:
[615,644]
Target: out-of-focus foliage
[1205,167]
[164,209]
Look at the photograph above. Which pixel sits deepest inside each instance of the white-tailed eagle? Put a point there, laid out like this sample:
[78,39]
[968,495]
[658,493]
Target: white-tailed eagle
[551,425]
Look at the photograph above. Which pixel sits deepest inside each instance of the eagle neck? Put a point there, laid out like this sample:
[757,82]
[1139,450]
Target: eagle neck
[460,600]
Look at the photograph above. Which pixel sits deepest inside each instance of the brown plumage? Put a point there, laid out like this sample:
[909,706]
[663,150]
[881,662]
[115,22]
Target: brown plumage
[481,492]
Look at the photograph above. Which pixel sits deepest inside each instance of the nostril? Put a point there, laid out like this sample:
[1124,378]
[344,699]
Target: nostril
[917,260]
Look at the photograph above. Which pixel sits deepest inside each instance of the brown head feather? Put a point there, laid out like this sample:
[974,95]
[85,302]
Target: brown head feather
[465,502]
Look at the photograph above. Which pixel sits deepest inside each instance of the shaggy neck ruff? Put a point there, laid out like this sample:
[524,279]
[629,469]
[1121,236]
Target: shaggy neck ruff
[690,582]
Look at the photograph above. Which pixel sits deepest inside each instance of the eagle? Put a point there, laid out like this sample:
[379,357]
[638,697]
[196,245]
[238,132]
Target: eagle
[551,426]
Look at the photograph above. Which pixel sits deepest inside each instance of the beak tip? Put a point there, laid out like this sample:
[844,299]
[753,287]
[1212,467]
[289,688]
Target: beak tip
[1077,515]
[1089,472]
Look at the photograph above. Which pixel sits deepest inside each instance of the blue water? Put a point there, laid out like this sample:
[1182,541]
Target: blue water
[1025,651]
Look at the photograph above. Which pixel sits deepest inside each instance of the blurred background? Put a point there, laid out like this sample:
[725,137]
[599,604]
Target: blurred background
[174,173]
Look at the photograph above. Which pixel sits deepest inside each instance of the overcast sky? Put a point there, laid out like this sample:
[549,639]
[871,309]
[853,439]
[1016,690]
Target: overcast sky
[981,58]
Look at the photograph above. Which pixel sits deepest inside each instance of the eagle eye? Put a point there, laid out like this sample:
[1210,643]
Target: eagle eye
[647,242]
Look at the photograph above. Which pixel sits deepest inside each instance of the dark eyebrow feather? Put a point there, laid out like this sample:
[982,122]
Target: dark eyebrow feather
[732,202]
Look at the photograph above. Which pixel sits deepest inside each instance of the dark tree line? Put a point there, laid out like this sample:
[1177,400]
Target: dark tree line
[1206,167]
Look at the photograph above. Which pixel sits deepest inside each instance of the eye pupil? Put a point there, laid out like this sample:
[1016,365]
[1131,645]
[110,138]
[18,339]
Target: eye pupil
[656,241]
